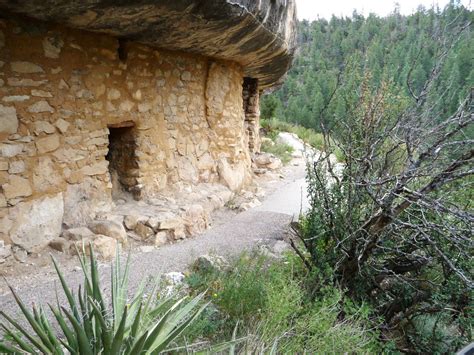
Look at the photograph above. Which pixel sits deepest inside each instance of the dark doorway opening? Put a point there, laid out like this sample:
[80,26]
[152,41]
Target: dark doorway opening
[123,165]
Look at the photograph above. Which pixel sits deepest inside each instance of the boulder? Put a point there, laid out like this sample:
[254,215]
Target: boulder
[267,161]
[78,233]
[19,253]
[131,221]
[161,238]
[8,119]
[210,263]
[105,246]
[37,222]
[143,231]
[291,140]
[110,229]
[60,244]
[233,177]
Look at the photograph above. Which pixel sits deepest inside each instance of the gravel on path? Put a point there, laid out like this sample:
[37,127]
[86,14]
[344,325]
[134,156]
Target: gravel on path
[232,235]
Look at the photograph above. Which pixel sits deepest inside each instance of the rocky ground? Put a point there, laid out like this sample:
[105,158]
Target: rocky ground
[259,215]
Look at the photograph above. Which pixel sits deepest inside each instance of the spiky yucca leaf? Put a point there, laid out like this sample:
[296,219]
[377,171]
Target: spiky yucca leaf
[143,324]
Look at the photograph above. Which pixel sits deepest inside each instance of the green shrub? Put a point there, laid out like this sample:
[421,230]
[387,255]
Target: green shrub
[269,301]
[142,325]
[282,151]
[315,139]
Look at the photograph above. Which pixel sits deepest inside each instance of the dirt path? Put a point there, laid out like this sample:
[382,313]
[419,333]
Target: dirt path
[232,235]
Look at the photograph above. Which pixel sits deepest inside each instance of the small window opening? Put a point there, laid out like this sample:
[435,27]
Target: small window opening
[123,165]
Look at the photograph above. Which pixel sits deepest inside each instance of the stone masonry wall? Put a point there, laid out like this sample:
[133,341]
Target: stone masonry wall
[251,97]
[61,90]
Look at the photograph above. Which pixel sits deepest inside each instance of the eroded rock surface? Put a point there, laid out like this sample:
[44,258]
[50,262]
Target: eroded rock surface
[260,35]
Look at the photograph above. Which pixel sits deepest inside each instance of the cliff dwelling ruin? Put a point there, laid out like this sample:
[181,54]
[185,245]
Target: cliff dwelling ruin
[105,104]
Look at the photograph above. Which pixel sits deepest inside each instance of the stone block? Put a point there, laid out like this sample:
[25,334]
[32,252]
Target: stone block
[17,186]
[8,120]
[161,238]
[44,127]
[105,246]
[99,168]
[143,231]
[60,244]
[131,221]
[26,67]
[62,125]
[15,98]
[78,233]
[11,150]
[47,144]
[16,167]
[37,222]
[40,106]
[109,228]
[40,93]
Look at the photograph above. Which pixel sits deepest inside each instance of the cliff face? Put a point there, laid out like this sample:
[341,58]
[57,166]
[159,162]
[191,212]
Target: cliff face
[259,35]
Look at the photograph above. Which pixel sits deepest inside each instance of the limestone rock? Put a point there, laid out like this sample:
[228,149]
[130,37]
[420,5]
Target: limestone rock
[249,205]
[47,144]
[41,106]
[19,253]
[26,67]
[131,221]
[59,244]
[178,233]
[210,263]
[161,238]
[25,82]
[113,94]
[11,150]
[52,47]
[105,246]
[16,167]
[110,229]
[15,98]
[172,223]
[196,219]
[99,168]
[5,250]
[41,93]
[231,177]
[37,222]
[62,125]
[267,161]
[84,201]
[17,187]
[79,233]
[44,127]
[143,231]
[46,176]
[8,120]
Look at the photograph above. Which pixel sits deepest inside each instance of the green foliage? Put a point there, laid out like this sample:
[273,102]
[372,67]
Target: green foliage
[268,300]
[273,126]
[282,151]
[320,88]
[142,325]
[407,257]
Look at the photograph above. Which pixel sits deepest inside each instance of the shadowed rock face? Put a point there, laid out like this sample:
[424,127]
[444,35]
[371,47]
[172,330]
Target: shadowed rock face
[258,34]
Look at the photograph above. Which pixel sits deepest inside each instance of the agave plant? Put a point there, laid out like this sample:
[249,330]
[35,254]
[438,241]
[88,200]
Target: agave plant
[144,324]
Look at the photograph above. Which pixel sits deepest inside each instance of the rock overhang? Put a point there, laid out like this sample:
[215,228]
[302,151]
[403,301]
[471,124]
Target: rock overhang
[258,34]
